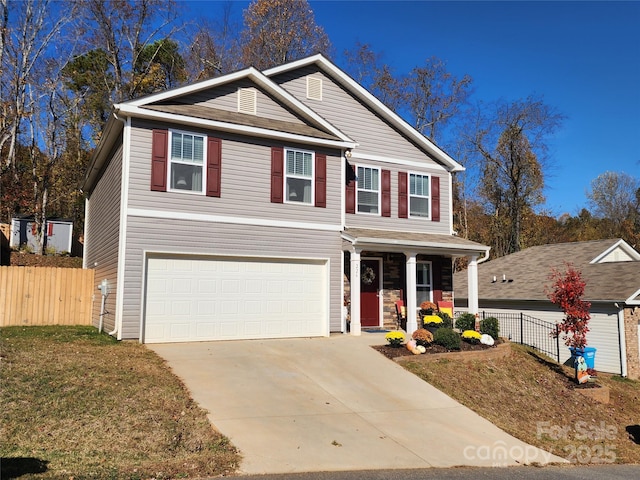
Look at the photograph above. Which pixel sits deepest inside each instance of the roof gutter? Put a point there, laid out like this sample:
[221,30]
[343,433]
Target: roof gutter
[111,132]
[403,245]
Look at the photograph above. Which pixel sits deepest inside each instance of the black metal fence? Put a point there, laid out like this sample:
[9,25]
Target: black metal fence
[527,330]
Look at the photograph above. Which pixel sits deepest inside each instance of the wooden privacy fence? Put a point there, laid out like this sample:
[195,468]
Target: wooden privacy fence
[32,296]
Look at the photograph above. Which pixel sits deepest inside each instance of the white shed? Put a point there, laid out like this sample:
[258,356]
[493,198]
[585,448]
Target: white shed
[58,234]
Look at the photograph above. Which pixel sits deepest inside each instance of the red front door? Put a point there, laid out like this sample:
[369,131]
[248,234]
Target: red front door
[369,293]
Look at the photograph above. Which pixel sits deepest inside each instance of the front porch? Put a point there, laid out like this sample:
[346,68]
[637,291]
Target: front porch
[392,266]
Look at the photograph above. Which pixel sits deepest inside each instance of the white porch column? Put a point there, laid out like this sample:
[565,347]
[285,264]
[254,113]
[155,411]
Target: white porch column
[356,326]
[472,281]
[412,295]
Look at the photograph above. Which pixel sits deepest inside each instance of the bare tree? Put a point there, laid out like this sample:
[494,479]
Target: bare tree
[511,143]
[279,31]
[25,41]
[434,96]
[123,28]
[369,70]
[615,196]
[214,49]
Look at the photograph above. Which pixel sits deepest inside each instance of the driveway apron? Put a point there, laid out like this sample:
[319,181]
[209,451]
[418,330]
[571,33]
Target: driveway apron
[327,404]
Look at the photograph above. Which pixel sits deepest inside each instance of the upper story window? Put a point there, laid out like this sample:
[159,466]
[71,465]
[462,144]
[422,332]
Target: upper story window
[186,162]
[368,190]
[298,176]
[419,195]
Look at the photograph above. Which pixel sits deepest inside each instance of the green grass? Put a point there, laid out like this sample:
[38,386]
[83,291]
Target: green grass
[79,404]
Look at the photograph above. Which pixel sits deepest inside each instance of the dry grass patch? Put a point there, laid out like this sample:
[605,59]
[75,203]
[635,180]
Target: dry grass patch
[78,404]
[533,399]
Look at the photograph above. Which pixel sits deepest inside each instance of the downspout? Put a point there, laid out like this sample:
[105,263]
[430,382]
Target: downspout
[622,341]
[124,121]
[485,258]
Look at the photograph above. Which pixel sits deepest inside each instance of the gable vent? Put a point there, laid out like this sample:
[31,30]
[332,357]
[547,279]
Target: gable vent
[247,99]
[314,88]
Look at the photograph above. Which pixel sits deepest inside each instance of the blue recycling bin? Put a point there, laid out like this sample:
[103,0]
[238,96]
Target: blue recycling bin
[589,354]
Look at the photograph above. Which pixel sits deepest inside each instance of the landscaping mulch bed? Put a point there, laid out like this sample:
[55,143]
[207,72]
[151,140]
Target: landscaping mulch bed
[394,352]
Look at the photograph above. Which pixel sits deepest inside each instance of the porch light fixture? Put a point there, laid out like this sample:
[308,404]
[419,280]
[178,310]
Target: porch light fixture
[348,154]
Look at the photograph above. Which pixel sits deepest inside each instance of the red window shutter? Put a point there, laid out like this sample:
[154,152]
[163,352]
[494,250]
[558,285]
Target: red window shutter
[159,147]
[350,198]
[214,166]
[277,174]
[321,180]
[403,211]
[386,193]
[435,199]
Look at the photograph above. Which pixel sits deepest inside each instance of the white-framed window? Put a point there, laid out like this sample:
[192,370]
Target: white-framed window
[368,190]
[424,282]
[298,176]
[186,162]
[419,195]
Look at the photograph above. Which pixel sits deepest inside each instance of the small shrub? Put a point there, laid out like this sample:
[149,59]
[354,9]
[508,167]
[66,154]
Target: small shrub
[422,337]
[466,321]
[471,336]
[447,321]
[448,338]
[490,326]
[395,339]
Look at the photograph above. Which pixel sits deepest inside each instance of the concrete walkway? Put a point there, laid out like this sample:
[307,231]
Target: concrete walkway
[326,404]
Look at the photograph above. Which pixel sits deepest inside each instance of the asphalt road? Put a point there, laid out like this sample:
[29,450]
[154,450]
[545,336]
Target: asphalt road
[606,472]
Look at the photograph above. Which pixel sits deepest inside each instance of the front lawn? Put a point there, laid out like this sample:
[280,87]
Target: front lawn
[533,399]
[79,404]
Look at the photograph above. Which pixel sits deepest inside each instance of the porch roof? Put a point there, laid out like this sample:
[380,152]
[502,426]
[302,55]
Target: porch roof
[422,243]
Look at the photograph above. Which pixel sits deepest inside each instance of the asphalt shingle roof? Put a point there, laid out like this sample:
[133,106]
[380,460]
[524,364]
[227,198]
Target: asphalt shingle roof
[527,273]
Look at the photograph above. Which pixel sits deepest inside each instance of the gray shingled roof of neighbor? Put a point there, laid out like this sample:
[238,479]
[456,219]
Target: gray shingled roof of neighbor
[527,273]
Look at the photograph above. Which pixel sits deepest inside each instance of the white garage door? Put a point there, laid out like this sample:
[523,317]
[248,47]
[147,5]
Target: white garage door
[200,299]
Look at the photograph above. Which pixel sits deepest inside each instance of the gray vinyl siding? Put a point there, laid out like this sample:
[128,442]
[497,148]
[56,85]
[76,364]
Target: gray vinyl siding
[415,224]
[102,235]
[206,238]
[225,97]
[603,328]
[374,137]
[245,183]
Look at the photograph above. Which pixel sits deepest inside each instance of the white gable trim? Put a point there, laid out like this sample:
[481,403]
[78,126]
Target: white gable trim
[622,245]
[194,87]
[397,161]
[373,102]
[137,112]
[261,80]
[634,299]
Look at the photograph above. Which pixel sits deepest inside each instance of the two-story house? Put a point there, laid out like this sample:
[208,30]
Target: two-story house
[258,204]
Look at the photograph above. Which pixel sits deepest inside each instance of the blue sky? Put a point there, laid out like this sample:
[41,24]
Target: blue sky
[581,57]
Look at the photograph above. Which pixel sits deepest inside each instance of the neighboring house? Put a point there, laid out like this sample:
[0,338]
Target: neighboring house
[611,270]
[228,209]
[58,234]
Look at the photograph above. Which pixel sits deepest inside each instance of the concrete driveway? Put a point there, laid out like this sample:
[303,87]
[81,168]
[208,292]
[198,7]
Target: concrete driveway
[326,404]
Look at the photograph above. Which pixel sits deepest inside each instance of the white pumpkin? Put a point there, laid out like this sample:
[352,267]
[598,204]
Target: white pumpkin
[486,339]
[421,348]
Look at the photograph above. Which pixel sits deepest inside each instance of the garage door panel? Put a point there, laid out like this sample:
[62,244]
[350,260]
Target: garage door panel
[191,299]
